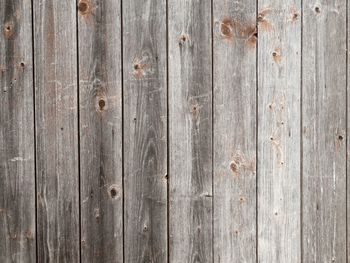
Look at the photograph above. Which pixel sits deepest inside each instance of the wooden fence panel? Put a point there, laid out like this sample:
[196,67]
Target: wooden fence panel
[235,40]
[56,131]
[324,131]
[100,95]
[190,131]
[145,131]
[279,113]
[174,131]
[17,161]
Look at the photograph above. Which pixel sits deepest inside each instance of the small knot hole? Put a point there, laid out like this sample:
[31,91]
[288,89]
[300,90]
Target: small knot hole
[101,104]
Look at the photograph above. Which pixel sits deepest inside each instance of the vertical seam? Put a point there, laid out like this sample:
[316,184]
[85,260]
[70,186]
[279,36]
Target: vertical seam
[78,120]
[34,133]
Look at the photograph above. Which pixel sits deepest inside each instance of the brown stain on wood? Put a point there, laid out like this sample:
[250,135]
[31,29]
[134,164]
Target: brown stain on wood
[84,7]
[231,29]
[263,22]
[240,163]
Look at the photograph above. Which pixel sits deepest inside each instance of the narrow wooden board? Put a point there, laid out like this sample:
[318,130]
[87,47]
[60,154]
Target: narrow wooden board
[17,162]
[100,130]
[190,131]
[56,130]
[279,117]
[235,40]
[145,131]
[324,131]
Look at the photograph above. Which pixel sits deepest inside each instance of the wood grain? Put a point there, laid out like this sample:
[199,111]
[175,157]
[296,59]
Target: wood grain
[145,131]
[324,131]
[190,131]
[100,98]
[235,40]
[56,131]
[279,113]
[17,169]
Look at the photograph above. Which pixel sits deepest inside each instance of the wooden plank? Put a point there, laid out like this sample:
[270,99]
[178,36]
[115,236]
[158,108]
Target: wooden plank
[145,131]
[279,113]
[17,169]
[235,38]
[190,131]
[56,131]
[324,131]
[100,130]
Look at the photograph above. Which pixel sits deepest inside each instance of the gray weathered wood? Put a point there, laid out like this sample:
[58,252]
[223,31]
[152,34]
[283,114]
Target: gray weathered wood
[235,131]
[190,131]
[56,130]
[17,171]
[145,131]
[324,131]
[100,131]
[279,89]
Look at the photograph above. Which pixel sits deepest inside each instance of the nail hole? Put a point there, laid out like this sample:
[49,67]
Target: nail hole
[274,53]
[113,192]
[22,64]
[101,104]
[317,9]
[340,137]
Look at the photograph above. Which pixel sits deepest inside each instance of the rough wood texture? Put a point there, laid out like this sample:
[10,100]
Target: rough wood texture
[324,131]
[190,131]
[279,89]
[100,131]
[17,175]
[145,131]
[235,38]
[251,122]
[56,131]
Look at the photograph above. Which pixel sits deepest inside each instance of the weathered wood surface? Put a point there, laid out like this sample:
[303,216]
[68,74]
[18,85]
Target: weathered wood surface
[235,38]
[190,131]
[174,131]
[324,131]
[17,171]
[100,100]
[56,131]
[145,131]
[279,90]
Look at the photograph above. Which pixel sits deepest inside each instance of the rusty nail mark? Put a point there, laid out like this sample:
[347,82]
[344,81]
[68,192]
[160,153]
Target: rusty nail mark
[276,55]
[139,69]
[8,30]
[241,199]
[182,39]
[264,24]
